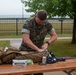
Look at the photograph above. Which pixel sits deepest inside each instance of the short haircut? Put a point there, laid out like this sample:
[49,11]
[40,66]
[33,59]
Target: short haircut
[42,14]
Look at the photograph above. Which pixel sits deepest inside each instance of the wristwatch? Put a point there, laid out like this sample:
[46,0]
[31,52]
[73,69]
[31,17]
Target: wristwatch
[48,43]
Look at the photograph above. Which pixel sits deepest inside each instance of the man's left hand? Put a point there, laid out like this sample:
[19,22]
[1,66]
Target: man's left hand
[45,46]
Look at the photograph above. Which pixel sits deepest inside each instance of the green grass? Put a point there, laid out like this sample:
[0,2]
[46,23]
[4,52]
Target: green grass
[63,48]
[59,47]
[12,36]
[10,26]
[4,43]
[62,35]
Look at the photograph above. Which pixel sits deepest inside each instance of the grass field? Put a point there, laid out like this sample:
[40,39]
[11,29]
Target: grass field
[63,48]
[4,43]
[12,26]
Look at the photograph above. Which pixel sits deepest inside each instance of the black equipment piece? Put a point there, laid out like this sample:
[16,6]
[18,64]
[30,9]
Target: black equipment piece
[51,58]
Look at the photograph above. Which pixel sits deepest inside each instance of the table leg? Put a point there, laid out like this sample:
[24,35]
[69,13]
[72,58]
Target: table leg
[69,72]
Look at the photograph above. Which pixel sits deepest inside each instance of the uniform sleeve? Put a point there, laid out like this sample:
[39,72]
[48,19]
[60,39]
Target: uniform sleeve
[26,28]
[50,28]
[25,31]
[51,31]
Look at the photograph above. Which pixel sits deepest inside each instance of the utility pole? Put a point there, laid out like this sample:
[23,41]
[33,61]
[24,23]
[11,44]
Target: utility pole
[22,1]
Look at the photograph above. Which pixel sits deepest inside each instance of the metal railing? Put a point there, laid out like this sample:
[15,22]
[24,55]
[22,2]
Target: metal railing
[13,26]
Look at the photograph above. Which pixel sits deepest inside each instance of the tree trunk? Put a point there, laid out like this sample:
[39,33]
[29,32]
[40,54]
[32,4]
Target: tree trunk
[74,32]
[74,24]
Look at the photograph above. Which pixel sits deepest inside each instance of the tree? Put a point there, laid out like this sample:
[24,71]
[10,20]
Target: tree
[59,8]
[74,16]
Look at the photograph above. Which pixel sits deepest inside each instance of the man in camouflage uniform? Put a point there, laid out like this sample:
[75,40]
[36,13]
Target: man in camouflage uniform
[34,31]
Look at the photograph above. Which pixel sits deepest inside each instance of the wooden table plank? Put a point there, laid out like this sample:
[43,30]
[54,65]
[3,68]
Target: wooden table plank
[36,68]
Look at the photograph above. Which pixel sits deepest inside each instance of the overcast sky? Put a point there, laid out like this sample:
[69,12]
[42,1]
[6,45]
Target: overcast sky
[11,7]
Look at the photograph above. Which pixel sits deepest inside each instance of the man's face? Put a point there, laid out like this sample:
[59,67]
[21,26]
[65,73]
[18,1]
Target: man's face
[40,22]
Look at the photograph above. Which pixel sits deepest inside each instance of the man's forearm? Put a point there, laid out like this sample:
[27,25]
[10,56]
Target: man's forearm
[30,44]
[52,39]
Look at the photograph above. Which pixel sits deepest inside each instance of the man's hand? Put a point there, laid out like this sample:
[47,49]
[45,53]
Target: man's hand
[41,50]
[45,46]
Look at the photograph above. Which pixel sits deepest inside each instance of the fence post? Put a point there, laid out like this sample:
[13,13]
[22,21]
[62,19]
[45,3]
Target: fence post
[61,20]
[16,26]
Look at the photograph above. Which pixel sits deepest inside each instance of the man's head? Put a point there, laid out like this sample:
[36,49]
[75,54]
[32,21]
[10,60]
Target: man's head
[41,16]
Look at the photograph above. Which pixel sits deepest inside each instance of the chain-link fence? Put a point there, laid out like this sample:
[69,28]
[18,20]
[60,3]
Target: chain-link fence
[13,26]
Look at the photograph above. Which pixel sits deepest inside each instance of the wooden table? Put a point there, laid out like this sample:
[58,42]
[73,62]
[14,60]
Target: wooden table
[8,69]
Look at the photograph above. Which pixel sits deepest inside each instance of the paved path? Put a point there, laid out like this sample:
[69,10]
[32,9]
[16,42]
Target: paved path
[45,38]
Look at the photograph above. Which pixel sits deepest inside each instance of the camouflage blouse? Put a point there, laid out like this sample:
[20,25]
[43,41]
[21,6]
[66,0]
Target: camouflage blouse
[37,32]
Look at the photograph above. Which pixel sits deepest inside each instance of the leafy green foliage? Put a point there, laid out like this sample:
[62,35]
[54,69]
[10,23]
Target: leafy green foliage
[60,8]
